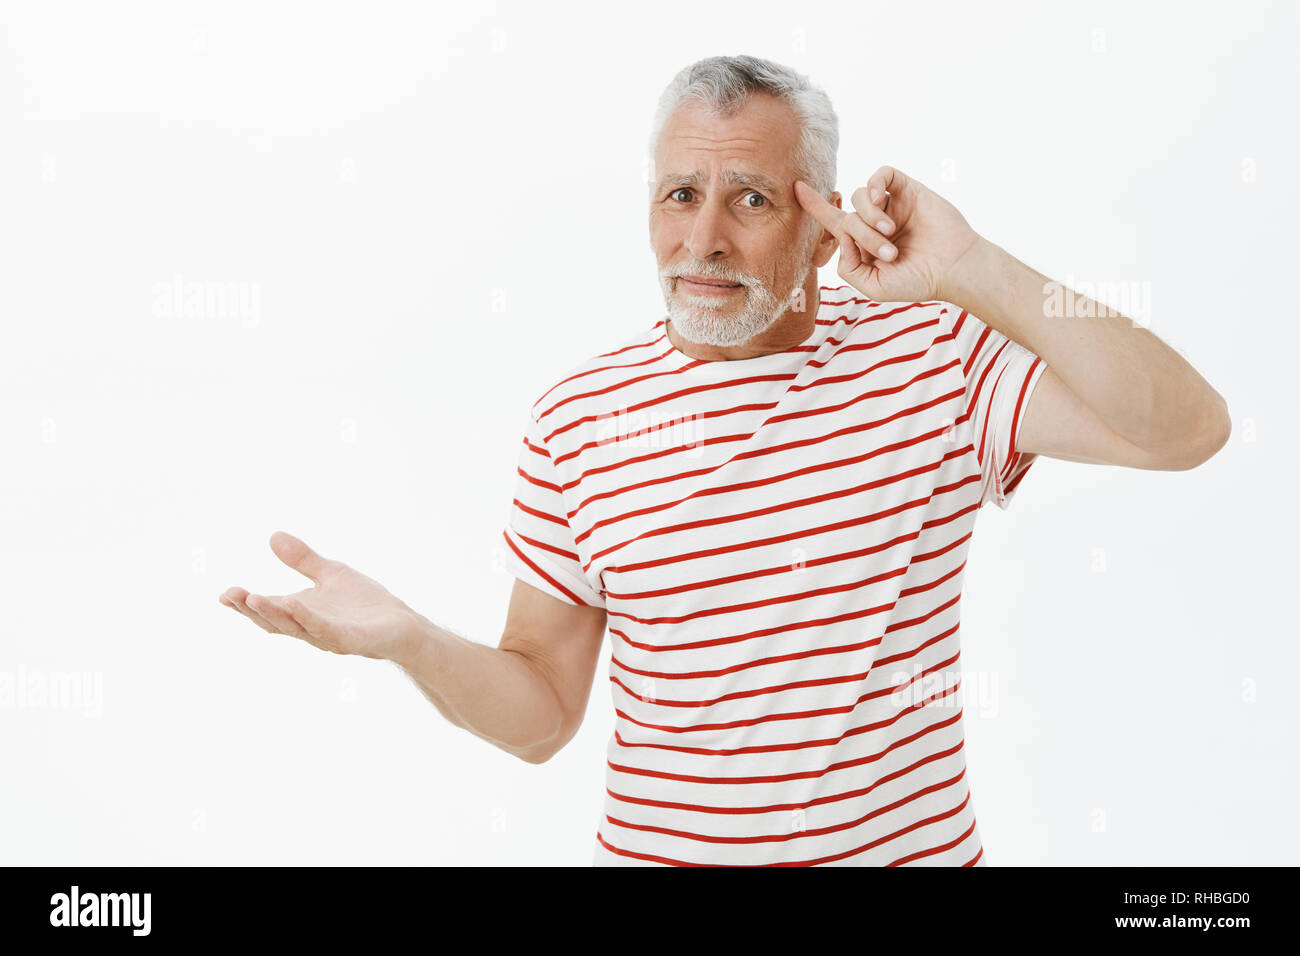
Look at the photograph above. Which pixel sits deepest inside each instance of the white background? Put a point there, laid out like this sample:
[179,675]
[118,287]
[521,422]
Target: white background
[440,210]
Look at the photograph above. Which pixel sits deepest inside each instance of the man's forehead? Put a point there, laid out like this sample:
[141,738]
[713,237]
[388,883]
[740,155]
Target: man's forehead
[749,146]
[730,176]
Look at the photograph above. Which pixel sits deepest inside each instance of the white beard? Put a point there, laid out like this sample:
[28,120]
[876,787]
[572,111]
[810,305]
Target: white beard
[702,320]
[705,320]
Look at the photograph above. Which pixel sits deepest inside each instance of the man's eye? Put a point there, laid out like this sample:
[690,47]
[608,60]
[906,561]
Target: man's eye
[677,193]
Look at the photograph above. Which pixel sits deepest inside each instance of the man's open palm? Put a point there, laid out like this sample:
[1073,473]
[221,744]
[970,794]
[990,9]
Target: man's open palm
[345,612]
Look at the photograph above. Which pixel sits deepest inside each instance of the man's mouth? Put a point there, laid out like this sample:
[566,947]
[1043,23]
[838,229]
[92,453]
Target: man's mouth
[708,286]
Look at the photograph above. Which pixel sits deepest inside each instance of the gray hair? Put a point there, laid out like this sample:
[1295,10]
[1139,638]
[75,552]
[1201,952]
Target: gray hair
[724,84]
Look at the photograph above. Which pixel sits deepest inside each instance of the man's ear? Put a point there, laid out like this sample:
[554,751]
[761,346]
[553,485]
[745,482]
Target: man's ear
[827,243]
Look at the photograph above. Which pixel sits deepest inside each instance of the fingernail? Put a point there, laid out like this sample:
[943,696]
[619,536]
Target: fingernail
[875,195]
[885,225]
[887,252]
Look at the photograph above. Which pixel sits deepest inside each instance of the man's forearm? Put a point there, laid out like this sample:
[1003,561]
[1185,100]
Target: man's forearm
[495,694]
[1143,389]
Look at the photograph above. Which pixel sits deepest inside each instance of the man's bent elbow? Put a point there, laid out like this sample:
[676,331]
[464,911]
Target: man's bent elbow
[1215,437]
[541,752]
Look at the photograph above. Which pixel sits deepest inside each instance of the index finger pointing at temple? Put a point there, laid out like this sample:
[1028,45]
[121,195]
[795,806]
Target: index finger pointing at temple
[295,553]
[817,207]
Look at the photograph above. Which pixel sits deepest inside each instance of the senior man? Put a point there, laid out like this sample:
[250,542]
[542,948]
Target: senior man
[767,498]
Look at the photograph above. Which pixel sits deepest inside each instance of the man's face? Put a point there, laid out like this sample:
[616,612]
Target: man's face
[723,208]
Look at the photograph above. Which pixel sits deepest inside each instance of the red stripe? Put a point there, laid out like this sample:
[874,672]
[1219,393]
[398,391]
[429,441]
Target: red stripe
[929,373]
[640,345]
[542,574]
[802,804]
[987,414]
[887,691]
[780,716]
[786,568]
[743,666]
[767,451]
[762,632]
[987,367]
[946,846]
[796,834]
[771,509]
[605,368]
[778,599]
[888,838]
[547,547]
[805,532]
[1015,420]
[537,481]
[681,393]
[539,514]
[673,450]
[787,715]
[795,775]
[1011,485]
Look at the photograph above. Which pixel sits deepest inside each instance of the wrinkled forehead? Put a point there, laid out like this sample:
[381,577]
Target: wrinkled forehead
[754,146]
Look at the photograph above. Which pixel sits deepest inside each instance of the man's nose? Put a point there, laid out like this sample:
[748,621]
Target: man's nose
[708,234]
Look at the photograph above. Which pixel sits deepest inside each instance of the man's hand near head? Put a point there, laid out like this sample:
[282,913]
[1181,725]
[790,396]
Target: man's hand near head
[927,237]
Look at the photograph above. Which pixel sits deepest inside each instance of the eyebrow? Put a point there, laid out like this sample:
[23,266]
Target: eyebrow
[730,177]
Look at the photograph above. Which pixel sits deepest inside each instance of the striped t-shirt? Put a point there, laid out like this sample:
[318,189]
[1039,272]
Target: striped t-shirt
[779,543]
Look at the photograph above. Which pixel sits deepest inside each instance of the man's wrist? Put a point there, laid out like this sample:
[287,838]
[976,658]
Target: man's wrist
[968,279]
[414,638]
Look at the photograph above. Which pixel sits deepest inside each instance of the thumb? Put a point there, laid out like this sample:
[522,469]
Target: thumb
[850,255]
[295,553]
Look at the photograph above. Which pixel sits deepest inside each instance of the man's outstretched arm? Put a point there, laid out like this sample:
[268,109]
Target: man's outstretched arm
[527,696]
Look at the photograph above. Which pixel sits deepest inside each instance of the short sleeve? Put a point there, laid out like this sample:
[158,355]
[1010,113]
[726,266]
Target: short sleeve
[1000,378]
[539,548]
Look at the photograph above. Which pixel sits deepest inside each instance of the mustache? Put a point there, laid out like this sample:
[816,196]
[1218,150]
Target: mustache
[676,272]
